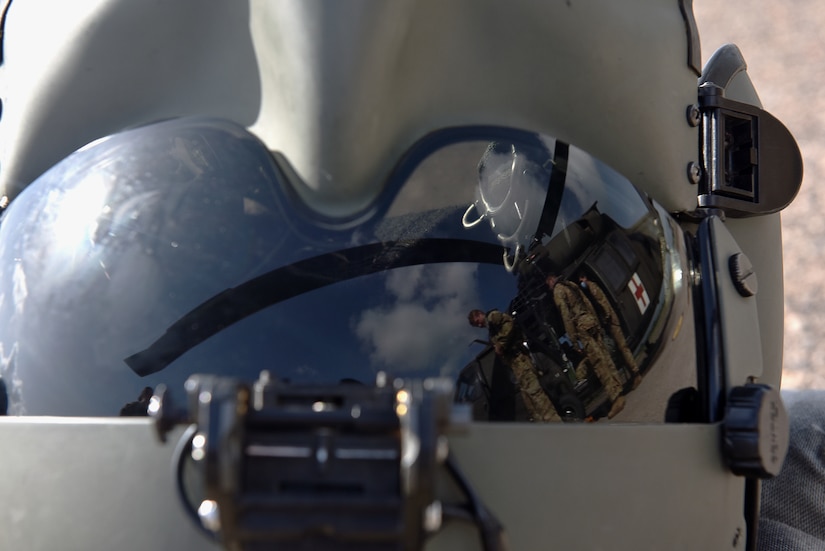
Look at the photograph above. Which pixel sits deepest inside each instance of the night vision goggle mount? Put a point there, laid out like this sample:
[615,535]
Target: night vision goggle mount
[347,466]
[750,162]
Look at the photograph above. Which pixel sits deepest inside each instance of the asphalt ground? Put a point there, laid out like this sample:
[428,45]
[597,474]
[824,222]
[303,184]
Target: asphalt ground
[783,43]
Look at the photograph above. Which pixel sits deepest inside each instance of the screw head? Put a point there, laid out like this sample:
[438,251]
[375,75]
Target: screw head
[433,517]
[694,172]
[694,115]
[210,516]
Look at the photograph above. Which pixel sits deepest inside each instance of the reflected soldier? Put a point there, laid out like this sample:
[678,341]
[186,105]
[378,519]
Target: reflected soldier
[583,328]
[611,324]
[507,342]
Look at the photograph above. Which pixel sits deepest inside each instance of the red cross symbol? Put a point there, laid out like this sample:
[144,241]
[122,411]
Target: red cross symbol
[639,292]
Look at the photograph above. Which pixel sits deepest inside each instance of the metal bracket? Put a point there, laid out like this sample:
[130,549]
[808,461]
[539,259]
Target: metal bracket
[751,164]
[345,466]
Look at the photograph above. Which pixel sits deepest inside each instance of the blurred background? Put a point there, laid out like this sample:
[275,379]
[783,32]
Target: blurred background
[783,43]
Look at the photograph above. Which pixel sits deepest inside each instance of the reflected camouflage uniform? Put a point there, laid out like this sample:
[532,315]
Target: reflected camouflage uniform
[610,321]
[582,325]
[507,340]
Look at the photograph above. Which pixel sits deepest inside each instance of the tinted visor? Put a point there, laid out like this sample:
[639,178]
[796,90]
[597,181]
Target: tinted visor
[180,248]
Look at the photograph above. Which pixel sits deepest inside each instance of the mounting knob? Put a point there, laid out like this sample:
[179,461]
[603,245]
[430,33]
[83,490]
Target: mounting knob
[755,432]
[743,275]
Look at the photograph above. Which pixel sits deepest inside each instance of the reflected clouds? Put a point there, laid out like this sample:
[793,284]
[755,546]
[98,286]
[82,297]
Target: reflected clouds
[20,288]
[424,324]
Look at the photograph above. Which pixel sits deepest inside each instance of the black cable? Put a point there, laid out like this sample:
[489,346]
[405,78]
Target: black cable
[491,530]
[183,450]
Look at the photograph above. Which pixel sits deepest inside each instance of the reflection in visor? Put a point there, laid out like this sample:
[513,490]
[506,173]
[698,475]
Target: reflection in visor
[512,189]
[195,258]
[597,282]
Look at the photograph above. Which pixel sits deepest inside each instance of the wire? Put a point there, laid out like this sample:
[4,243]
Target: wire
[491,530]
